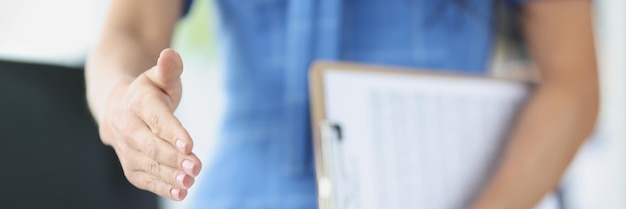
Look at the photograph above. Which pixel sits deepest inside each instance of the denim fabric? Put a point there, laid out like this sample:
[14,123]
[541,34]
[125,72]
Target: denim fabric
[264,156]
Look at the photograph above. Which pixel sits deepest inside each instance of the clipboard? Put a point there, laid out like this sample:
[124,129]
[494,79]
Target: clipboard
[328,131]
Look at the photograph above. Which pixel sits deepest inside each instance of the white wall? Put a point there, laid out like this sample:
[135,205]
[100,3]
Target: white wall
[49,31]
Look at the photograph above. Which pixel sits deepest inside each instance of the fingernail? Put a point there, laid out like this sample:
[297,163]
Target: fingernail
[182,194]
[180,144]
[180,179]
[175,193]
[184,181]
[188,167]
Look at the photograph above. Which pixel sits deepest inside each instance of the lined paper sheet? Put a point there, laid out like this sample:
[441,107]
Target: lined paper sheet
[415,142]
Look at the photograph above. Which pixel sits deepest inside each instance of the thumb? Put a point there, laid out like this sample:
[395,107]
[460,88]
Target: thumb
[166,74]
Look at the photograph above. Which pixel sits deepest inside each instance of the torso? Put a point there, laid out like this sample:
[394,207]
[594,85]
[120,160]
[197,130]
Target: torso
[264,157]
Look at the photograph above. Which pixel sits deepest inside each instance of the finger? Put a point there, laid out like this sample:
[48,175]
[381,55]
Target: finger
[166,74]
[152,183]
[162,122]
[163,152]
[143,162]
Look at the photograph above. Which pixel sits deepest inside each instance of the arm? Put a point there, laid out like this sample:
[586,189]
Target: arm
[132,91]
[562,112]
[134,34]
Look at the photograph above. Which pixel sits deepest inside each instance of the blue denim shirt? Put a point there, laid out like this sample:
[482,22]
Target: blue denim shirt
[264,156]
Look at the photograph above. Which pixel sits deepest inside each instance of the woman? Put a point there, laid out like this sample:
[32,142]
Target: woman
[264,157]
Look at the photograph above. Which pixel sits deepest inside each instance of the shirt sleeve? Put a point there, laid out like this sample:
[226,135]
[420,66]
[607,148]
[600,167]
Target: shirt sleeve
[517,2]
[186,7]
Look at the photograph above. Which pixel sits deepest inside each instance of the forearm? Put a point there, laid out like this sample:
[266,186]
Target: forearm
[133,86]
[556,121]
[117,60]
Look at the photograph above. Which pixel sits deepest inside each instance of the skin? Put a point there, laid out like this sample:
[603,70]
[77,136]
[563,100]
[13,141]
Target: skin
[562,112]
[133,99]
[133,87]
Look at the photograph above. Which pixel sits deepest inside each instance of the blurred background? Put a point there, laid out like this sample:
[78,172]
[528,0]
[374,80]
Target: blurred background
[52,150]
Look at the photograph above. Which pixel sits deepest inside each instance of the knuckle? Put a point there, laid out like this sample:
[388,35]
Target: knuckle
[155,121]
[150,183]
[154,166]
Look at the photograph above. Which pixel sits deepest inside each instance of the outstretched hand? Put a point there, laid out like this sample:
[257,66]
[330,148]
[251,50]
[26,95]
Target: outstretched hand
[152,145]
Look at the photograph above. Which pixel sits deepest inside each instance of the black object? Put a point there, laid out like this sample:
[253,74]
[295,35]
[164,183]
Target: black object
[50,152]
[337,129]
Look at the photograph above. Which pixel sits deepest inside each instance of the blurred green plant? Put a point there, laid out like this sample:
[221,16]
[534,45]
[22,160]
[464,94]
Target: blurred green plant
[194,34]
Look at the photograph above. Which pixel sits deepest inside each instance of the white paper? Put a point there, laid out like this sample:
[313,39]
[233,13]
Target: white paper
[415,142]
